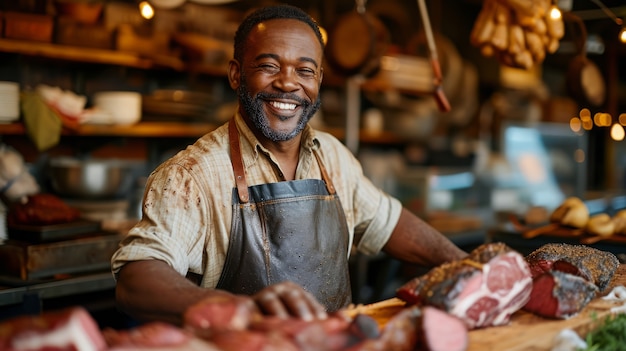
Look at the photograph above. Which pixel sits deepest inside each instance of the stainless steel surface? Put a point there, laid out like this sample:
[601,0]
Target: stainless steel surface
[92,178]
[58,288]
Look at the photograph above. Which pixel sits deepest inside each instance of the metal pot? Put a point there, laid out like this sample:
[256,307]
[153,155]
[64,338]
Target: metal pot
[92,178]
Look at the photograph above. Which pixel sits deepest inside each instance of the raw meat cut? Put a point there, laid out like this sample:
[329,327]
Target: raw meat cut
[41,209]
[69,329]
[595,265]
[155,336]
[484,289]
[414,328]
[220,313]
[334,333]
[558,294]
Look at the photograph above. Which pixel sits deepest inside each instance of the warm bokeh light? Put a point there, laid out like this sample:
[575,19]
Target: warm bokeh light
[555,13]
[622,35]
[324,35]
[587,124]
[579,155]
[617,132]
[622,119]
[575,124]
[602,119]
[146,10]
[585,114]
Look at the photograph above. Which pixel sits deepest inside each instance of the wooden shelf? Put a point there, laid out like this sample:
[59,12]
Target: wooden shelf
[107,57]
[141,129]
[180,130]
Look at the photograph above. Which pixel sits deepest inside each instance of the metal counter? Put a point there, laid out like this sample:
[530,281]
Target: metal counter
[29,298]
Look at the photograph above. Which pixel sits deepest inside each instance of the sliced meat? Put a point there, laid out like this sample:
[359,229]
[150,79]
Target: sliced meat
[559,295]
[69,329]
[484,289]
[442,331]
[595,265]
[415,328]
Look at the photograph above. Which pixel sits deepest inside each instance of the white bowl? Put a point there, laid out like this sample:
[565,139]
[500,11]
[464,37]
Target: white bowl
[124,107]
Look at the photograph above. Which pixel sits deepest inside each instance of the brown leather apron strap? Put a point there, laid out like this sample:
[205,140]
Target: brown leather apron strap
[235,155]
[325,177]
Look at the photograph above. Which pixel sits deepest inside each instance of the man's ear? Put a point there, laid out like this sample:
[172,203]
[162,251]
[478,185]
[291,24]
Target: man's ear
[234,74]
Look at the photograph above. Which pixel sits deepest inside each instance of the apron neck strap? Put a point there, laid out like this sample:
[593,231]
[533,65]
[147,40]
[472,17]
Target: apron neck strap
[329,183]
[240,174]
[235,155]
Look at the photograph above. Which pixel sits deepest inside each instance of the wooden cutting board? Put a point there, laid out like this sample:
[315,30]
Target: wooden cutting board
[526,331]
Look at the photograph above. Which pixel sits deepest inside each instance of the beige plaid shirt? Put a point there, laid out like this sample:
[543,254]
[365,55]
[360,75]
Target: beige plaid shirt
[187,208]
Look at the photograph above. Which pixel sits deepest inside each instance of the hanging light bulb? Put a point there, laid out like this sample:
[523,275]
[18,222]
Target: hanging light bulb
[146,10]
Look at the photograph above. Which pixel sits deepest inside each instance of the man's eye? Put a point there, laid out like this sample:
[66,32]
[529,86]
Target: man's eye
[306,72]
[269,67]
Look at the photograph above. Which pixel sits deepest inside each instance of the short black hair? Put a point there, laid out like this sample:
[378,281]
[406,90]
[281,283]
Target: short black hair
[269,13]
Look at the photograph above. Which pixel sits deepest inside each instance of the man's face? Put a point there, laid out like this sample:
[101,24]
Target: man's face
[279,79]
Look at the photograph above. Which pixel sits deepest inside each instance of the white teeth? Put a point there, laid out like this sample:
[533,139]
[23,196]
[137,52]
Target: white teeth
[283,106]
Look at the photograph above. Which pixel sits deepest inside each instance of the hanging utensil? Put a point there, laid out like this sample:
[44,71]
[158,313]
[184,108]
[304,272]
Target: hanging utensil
[440,97]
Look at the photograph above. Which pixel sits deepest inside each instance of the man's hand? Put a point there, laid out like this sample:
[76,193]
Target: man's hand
[289,299]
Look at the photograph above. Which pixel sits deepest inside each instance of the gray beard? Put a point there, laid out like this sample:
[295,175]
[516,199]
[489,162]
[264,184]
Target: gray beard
[253,107]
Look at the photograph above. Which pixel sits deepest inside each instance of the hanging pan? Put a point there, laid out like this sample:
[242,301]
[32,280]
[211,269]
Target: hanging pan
[357,42]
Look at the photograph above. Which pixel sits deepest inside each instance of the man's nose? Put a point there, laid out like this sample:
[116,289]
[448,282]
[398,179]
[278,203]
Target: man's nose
[287,80]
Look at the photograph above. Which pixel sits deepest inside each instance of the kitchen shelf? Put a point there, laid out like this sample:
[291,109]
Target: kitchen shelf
[141,129]
[107,57]
[182,130]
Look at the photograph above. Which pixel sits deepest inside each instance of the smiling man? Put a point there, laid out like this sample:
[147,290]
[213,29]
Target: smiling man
[265,210]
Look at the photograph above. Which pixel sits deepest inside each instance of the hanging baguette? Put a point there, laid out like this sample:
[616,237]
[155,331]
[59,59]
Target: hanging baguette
[518,33]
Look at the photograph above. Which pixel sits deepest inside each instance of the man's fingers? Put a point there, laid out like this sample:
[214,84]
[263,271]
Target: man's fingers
[288,299]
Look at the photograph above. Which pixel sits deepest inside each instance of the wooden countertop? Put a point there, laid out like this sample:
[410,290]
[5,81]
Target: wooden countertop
[526,331]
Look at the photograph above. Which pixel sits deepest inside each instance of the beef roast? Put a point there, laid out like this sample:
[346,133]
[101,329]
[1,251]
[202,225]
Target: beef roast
[567,277]
[484,289]
[560,295]
[595,265]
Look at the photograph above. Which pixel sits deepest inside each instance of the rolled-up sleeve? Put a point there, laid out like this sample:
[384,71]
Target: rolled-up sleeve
[173,225]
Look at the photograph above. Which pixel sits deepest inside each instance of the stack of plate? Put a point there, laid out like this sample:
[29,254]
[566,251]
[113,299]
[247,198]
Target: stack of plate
[9,102]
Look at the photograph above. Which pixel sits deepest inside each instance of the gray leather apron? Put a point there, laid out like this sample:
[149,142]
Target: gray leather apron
[290,230]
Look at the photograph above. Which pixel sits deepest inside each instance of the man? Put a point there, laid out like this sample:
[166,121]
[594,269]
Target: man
[264,209]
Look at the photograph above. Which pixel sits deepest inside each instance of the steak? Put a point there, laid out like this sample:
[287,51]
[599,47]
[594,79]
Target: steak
[595,265]
[560,295]
[484,289]
[68,329]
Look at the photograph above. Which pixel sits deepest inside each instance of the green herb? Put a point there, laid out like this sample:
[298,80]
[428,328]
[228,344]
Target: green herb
[611,336]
